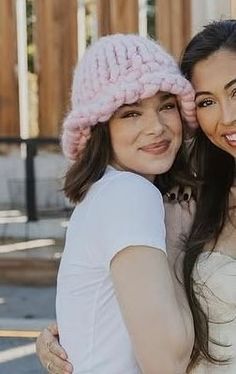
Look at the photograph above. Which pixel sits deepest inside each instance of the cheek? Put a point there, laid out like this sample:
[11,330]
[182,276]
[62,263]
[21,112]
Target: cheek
[177,127]
[206,121]
[119,141]
[116,133]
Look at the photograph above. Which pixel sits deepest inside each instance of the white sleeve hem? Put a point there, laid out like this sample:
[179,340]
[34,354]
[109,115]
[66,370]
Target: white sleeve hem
[130,242]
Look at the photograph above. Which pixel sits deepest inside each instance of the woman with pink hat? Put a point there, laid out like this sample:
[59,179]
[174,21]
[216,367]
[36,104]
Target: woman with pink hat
[117,307]
[209,266]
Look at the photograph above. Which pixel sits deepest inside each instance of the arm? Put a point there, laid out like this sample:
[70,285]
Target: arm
[150,309]
[48,351]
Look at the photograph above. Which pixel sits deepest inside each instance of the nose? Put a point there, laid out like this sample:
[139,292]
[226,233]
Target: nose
[154,125]
[228,114]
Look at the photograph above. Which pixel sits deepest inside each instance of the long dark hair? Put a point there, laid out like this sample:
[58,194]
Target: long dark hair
[89,168]
[215,170]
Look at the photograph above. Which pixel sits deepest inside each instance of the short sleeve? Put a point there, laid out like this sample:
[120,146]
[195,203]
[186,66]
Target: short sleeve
[129,211]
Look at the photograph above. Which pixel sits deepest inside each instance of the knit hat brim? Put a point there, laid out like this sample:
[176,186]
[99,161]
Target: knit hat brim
[103,107]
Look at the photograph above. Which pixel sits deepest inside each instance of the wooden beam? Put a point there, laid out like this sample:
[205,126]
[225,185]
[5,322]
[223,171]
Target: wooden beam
[233,8]
[56,38]
[177,26]
[9,106]
[22,328]
[18,334]
[117,16]
[163,22]
[173,23]
[28,271]
[103,14]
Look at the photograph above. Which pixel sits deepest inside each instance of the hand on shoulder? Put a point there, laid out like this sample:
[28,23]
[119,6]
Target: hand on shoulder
[180,208]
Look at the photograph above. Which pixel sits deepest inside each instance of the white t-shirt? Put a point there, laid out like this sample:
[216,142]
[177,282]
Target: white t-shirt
[121,210]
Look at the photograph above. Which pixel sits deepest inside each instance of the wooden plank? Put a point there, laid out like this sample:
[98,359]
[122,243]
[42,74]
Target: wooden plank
[181,25]
[9,106]
[233,8]
[103,15]
[22,328]
[163,23]
[177,27]
[187,17]
[18,334]
[56,38]
[28,271]
[117,16]
[173,24]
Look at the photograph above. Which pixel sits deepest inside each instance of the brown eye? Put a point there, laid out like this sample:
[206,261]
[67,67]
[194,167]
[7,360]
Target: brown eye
[205,103]
[130,115]
[168,106]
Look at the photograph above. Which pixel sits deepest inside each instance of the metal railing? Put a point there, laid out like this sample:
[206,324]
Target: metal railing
[31,146]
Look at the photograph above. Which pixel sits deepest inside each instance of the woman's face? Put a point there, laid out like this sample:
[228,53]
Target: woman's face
[146,135]
[214,81]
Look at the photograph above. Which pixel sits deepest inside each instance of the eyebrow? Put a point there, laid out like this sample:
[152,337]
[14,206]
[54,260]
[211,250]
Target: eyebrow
[199,93]
[137,103]
[166,96]
[228,85]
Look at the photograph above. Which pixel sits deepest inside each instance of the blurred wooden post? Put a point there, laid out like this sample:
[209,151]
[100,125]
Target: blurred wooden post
[173,22]
[116,16]
[56,38]
[9,106]
[233,8]
[163,26]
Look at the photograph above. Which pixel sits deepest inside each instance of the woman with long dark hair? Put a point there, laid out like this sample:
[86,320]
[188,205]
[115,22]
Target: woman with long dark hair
[209,62]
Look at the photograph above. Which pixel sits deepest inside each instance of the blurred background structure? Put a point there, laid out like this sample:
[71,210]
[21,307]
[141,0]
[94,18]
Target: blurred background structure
[40,43]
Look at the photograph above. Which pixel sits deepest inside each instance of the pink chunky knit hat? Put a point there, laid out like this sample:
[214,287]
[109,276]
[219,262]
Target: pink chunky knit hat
[120,69]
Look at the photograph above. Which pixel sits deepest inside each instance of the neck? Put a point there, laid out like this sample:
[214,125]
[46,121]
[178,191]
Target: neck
[120,167]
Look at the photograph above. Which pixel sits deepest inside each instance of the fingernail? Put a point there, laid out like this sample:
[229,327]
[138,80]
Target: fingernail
[186,197]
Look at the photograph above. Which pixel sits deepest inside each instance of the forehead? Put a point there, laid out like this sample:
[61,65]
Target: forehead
[159,96]
[214,72]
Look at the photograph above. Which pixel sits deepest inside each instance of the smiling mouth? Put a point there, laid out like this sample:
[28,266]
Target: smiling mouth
[231,139]
[156,148]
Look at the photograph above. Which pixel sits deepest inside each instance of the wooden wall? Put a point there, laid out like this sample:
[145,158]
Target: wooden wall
[56,45]
[117,16]
[173,24]
[233,8]
[56,40]
[9,110]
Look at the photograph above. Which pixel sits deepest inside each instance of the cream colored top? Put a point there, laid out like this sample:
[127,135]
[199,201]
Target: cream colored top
[215,277]
[215,286]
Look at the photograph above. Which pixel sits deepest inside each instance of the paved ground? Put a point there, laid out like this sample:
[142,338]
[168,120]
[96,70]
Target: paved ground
[29,305]
[17,355]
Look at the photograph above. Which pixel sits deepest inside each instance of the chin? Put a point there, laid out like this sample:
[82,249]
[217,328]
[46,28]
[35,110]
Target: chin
[162,168]
[166,166]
